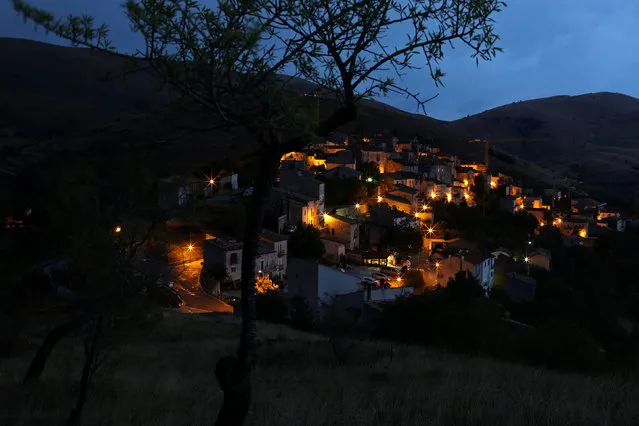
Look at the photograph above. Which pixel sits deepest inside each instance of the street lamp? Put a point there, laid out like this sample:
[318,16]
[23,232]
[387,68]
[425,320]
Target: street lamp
[379,199]
[118,229]
[357,205]
[369,179]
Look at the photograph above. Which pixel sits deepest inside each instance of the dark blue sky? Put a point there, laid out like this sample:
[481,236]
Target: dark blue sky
[551,47]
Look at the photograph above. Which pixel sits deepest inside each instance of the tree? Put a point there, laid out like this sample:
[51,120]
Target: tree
[464,287]
[264,284]
[216,273]
[305,243]
[228,60]
[404,238]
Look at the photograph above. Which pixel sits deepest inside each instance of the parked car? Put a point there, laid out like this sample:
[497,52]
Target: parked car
[378,276]
[165,296]
[390,271]
[368,281]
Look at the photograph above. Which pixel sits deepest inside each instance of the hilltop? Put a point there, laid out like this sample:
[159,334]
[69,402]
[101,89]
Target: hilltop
[72,96]
[593,137]
[166,376]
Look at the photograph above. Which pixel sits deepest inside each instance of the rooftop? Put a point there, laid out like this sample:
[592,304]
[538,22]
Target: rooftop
[344,219]
[406,189]
[397,199]
[272,236]
[224,243]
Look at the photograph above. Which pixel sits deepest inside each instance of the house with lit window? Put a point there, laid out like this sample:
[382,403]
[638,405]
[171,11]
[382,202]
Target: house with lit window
[343,228]
[407,193]
[271,256]
[482,267]
[300,197]
[222,250]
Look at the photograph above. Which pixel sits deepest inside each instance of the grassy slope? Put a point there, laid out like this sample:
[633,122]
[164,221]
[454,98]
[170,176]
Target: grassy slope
[166,377]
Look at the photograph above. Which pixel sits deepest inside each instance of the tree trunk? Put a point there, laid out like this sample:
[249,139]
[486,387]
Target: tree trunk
[90,353]
[37,365]
[233,372]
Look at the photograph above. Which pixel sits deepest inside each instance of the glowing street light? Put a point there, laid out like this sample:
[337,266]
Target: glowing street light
[379,199]
[357,206]
[430,231]
[424,207]
[369,179]
[118,229]
[526,259]
[326,216]
[433,195]
[449,197]
[190,247]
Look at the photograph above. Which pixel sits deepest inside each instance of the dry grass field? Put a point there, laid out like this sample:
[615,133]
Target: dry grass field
[165,377]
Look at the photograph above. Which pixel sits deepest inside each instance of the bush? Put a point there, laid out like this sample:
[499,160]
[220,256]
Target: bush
[557,345]
[271,306]
[301,315]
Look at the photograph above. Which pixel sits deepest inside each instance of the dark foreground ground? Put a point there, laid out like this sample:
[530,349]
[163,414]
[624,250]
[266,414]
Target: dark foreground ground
[165,376]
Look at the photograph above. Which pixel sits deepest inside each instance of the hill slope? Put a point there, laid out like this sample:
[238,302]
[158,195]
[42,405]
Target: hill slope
[60,92]
[166,377]
[593,137]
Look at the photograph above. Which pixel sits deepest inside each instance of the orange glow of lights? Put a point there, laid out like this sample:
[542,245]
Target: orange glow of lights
[190,247]
[449,197]
[357,206]
[433,195]
[379,199]
[118,229]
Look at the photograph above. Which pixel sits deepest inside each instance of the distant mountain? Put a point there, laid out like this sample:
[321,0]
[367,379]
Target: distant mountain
[593,137]
[74,96]
[50,91]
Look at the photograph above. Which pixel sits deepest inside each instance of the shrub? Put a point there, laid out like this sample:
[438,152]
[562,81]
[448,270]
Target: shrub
[271,306]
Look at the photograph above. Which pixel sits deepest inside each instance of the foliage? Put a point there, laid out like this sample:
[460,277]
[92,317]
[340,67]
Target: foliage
[301,315]
[264,284]
[271,306]
[414,278]
[497,228]
[305,243]
[404,238]
[212,277]
[463,288]
[475,327]
[343,191]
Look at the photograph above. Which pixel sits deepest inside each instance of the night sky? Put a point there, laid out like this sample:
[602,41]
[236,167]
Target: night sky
[551,47]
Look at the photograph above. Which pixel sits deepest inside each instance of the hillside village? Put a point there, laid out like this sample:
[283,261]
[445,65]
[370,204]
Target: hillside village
[380,205]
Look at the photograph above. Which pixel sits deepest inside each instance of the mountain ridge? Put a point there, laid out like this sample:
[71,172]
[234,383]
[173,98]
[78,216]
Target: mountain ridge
[53,91]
